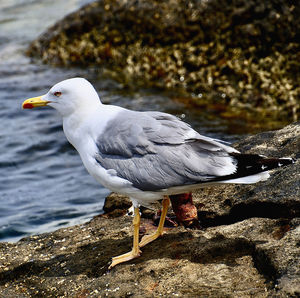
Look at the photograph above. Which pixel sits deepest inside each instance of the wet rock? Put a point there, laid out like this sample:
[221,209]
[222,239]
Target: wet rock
[250,254]
[237,57]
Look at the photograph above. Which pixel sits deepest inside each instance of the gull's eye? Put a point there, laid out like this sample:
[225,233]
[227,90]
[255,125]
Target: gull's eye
[57,94]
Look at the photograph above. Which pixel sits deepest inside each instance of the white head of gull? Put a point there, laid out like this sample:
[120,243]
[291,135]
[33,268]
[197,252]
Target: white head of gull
[145,155]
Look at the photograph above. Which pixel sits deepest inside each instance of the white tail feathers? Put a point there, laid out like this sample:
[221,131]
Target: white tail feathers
[248,179]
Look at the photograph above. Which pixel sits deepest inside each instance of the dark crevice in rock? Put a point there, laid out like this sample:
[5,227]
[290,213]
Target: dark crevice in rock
[85,261]
[244,211]
[221,248]
[264,266]
[22,270]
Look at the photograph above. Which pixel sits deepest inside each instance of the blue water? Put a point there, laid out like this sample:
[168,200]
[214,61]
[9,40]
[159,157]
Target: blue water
[43,185]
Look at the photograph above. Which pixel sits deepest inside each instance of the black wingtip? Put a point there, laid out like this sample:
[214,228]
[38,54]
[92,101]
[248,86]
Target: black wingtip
[285,161]
[250,164]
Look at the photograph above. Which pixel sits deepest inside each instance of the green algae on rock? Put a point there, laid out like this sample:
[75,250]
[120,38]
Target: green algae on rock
[241,54]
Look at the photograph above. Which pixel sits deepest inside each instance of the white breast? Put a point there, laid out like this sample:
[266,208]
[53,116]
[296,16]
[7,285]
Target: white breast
[82,130]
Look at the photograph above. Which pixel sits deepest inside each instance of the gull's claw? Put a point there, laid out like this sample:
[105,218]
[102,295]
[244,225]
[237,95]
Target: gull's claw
[124,258]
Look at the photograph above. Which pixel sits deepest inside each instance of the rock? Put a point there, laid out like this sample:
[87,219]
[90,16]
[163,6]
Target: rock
[116,205]
[274,198]
[236,57]
[243,252]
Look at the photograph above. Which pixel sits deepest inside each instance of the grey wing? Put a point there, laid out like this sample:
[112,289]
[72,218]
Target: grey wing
[156,151]
[138,132]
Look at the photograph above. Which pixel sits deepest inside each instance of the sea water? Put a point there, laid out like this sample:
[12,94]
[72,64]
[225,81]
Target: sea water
[43,184]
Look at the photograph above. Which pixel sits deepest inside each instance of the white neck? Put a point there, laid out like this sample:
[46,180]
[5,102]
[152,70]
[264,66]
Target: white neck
[87,124]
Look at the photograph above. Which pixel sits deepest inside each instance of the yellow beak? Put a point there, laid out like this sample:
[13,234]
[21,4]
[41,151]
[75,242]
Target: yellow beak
[34,102]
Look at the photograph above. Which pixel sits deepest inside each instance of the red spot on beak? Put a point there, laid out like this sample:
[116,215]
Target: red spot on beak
[28,106]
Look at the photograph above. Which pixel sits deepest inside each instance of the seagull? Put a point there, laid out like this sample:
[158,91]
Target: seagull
[147,156]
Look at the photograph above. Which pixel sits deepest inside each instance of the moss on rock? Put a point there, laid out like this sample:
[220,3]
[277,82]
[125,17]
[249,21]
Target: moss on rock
[241,54]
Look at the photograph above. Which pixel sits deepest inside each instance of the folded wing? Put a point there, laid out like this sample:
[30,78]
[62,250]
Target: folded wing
[155,151]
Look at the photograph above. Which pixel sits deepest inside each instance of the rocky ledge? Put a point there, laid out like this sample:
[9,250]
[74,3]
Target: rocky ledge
[237,57]
[249,245]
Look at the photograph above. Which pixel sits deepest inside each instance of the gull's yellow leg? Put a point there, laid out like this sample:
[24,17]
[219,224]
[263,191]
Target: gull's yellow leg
[135,252]
[149,238]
